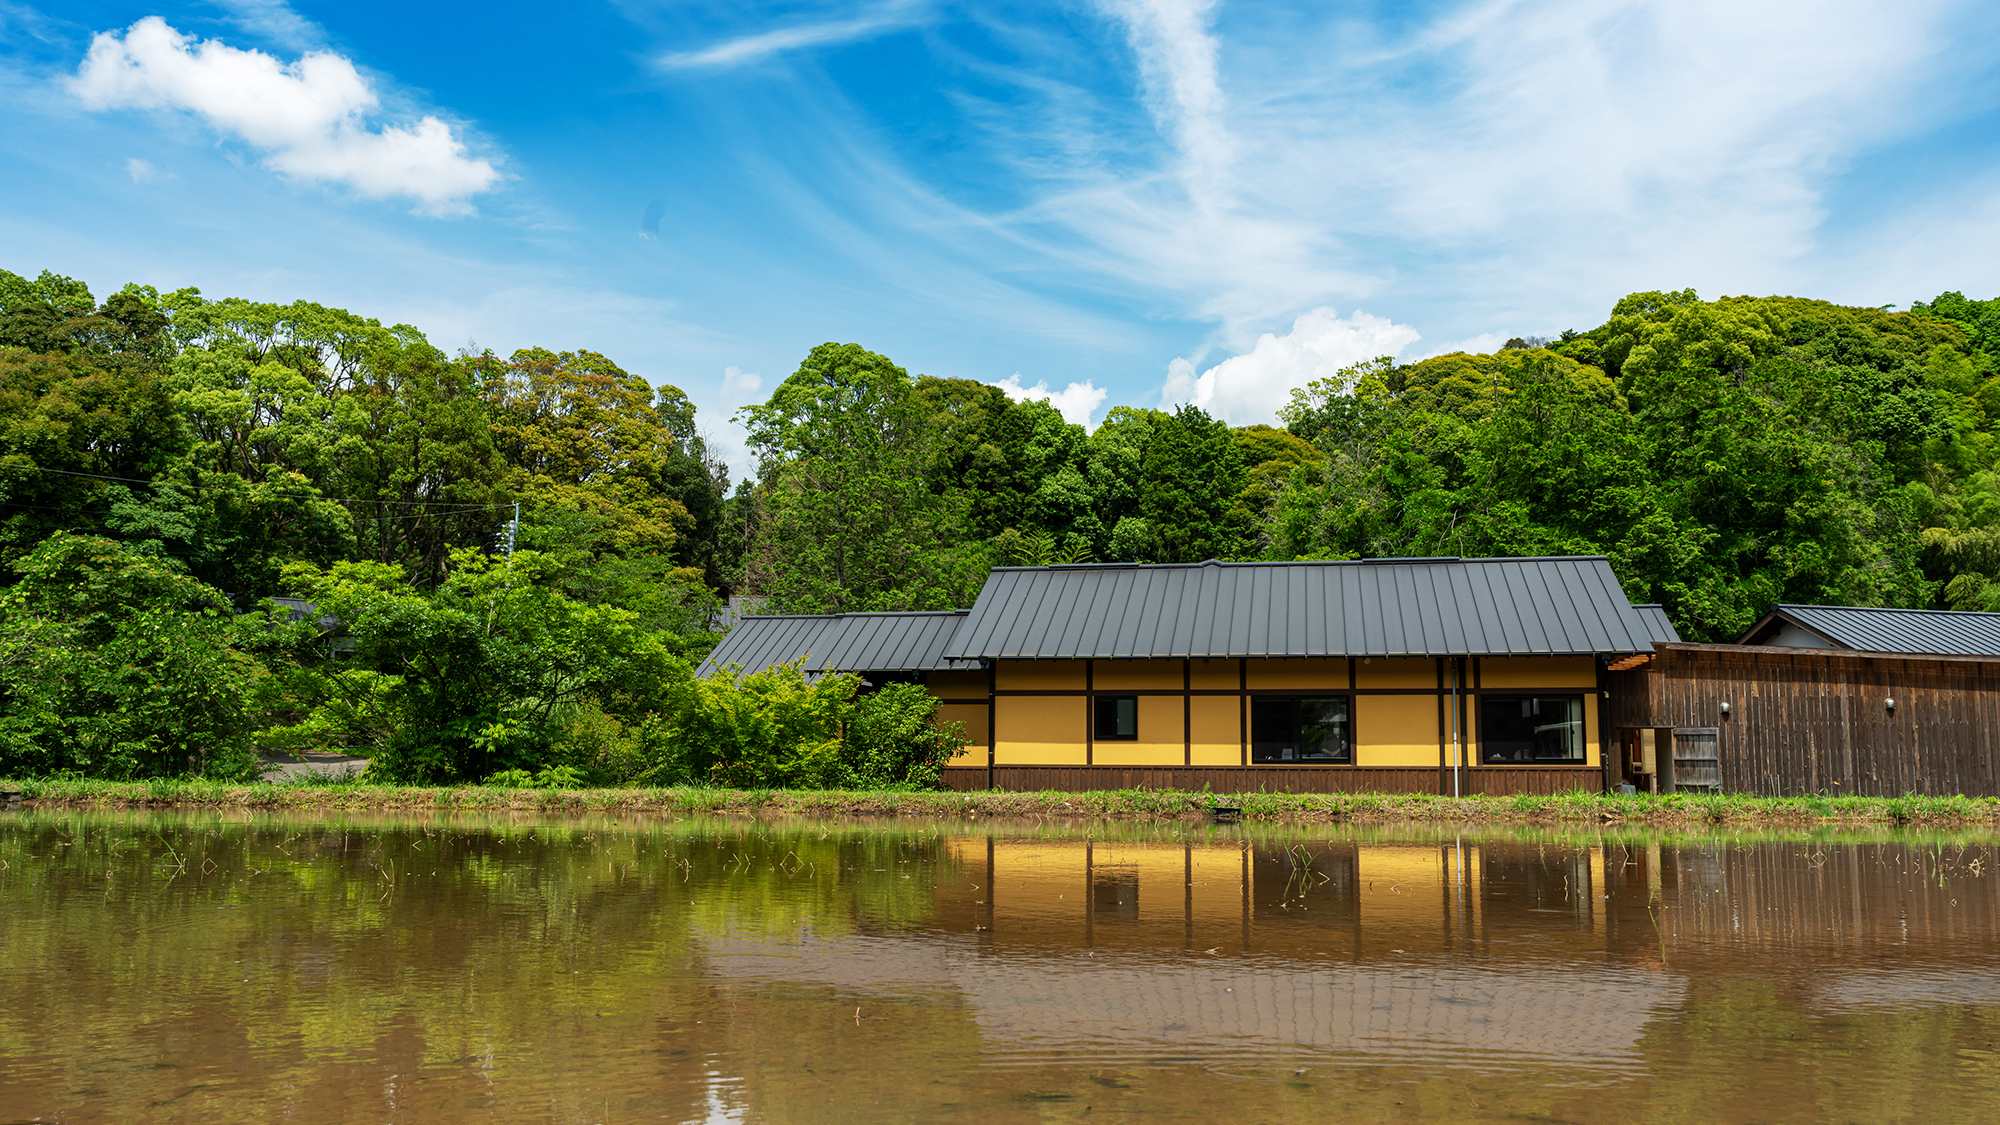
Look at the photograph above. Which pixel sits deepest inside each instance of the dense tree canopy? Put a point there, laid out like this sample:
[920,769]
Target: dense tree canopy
[168,461]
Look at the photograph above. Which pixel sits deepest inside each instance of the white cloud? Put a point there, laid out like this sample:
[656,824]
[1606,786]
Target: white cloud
[1249,388]
[140,170]
[275,20]
[1076,402]
[755,48]
[740,386]
[309,116]
[1483,344]
[1193,225]
[1177,59]
[1506,162]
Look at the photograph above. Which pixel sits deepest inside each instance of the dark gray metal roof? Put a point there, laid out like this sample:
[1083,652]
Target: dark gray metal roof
[1917,631]
[846,642]
[1414,607]
[1655,617]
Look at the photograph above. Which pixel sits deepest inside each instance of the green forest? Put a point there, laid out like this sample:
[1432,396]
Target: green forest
[508,568]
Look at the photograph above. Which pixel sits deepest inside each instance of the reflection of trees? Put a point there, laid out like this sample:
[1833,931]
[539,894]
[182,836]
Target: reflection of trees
[495,966]
[285,953]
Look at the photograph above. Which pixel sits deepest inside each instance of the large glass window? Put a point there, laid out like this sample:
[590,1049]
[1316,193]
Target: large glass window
[1530,728]
[1117,717]
[1292,729]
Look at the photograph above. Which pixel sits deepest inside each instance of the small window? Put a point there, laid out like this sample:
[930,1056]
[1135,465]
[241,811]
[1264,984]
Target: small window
[1304,731]
[1518,729]
[1117,717]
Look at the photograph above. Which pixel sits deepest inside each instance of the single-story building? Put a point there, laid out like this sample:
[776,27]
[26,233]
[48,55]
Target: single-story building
[1432,675]
[1820,699]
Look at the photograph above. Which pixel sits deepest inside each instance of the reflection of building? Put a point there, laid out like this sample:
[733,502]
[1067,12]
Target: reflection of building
[1232,952]
[1481,952]
[1403,675]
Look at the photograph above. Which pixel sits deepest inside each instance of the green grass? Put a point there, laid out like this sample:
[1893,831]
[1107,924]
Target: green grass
[1680,809]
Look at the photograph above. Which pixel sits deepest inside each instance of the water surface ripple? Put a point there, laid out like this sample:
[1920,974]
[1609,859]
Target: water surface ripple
[173,967]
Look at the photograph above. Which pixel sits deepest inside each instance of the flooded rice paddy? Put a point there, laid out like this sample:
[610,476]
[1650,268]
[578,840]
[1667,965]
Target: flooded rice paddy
[163,967]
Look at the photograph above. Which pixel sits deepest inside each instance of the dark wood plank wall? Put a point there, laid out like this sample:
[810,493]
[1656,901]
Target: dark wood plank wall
[1493,781]
[1812,721]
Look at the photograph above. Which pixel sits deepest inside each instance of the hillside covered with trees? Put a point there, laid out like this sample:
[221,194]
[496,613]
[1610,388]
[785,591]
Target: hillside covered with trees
[168,463]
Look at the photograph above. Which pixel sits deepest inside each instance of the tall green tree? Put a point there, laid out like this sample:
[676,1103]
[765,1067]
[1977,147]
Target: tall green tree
[847,517]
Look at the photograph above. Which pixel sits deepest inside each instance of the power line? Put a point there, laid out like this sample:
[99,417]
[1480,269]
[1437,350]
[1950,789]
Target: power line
[434,505]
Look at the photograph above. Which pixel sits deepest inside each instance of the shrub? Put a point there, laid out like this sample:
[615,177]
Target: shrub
[495,669]
[118,665]
[893,739]
[774,729]
[549,777]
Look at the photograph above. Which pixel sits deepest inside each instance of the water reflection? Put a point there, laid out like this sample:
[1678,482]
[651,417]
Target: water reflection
[176,968]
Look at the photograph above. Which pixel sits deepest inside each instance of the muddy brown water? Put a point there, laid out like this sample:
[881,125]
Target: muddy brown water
[163,967]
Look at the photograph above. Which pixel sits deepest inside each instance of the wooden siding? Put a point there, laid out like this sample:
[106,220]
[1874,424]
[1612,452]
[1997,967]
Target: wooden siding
[1810,721]
[1278,779]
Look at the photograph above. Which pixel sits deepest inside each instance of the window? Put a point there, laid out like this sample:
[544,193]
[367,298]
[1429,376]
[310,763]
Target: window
[1117,717]
[1530,728]
[1309,731]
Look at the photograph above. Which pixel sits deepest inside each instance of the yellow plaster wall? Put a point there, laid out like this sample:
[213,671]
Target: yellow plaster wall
[1218,730]
[1039,730]
[973,718]
[1042,675]
[1217,674]
[1396,730]
[1400,896]
[1038,878]
[1159,743]
[1112,675]
[1396,672]
[1218,895]
[1592,753]
[1538,672]
[956,685]
[1298,672]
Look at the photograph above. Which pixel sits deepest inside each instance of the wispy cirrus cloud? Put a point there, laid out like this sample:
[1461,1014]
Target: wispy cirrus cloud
[1513,165]
[275,21]
[880,20]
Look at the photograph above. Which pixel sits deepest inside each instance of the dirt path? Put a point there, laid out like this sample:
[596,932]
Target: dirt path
[289,767]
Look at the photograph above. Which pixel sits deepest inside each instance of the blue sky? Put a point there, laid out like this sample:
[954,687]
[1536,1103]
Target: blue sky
[1133,201]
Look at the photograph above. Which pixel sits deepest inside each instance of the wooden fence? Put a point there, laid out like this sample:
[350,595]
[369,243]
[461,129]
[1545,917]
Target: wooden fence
[1821,721]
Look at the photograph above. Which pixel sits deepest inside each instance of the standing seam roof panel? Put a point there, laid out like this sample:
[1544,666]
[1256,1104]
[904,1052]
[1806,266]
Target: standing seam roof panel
[1912,631]
[1605,626]
[1554,595]
[1520,634]
[1472,613]
[1437,607]
[1585,594]
[1299,633]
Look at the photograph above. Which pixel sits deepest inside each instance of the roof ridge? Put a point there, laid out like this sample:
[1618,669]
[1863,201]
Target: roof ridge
[1273,563]
[1893,609]
[856,613]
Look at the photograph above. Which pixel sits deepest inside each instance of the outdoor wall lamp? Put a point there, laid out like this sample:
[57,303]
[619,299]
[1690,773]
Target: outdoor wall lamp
[1889,703]
[1725,708]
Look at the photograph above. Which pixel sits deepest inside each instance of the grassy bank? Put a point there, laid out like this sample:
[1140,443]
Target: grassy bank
[1125,803]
